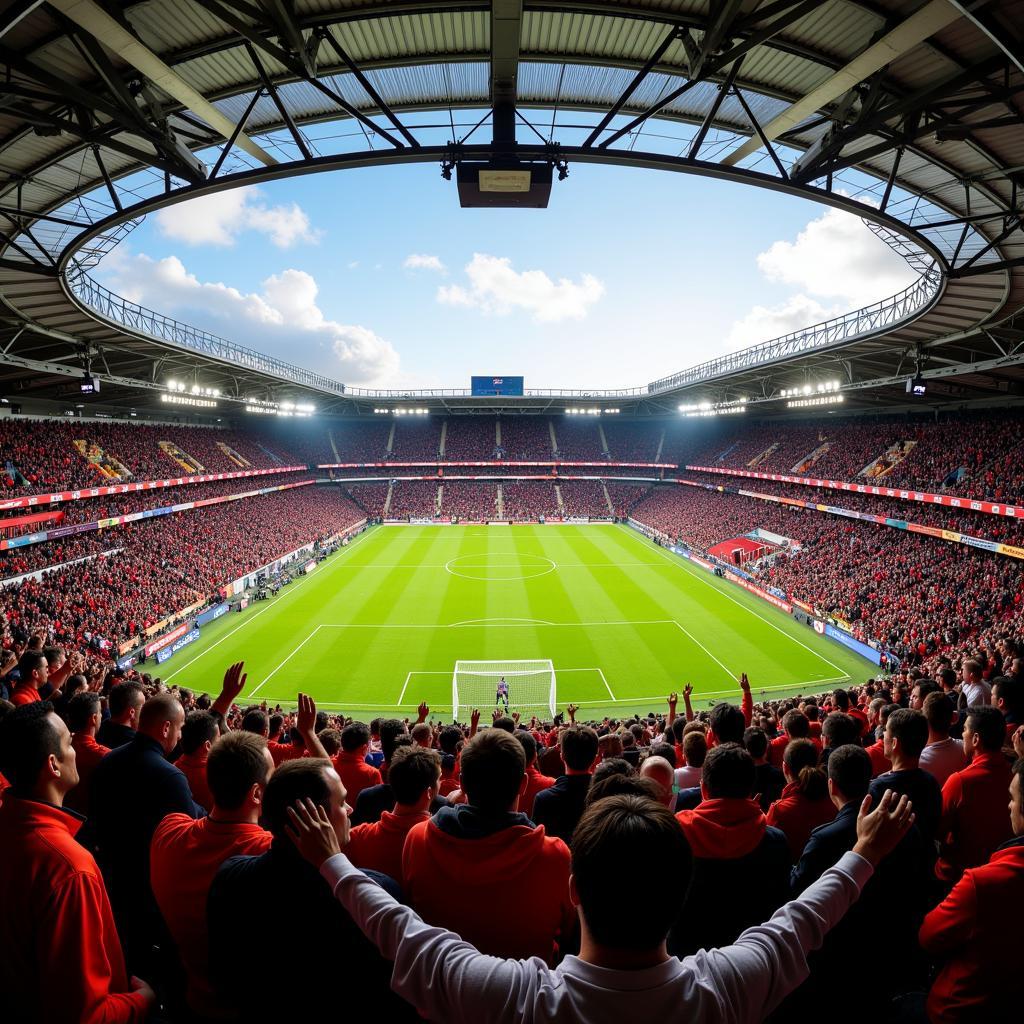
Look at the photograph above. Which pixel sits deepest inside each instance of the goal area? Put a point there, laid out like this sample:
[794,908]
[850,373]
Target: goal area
[530,686]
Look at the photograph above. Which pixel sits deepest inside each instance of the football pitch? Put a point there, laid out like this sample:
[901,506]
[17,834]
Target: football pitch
[378,627]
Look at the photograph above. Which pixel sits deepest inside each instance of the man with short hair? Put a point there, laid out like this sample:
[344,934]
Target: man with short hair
[453,863]
[943,755]
[34,673]
[60,959]
[795,726]
[768,780]
[84,714]
[198,735]
[559,807]
[837,730]
[973,937]
[350,764]
[974,689]
[973,822]
[622,973]
[730,838]
[414,778]
[186,854]
[1008,697]
[536,782]
[695,750]
[373,801]
[124,702]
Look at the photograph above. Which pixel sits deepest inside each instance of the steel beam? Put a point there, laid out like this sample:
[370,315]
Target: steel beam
[506,31]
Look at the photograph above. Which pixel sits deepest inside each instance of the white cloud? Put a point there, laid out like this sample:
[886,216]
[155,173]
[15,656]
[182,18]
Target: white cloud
[836,256]
[763,323]
[219,219]
[281,318]
[496,288]
[423,261]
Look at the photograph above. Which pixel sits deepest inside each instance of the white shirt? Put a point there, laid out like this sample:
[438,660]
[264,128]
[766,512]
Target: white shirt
[448,980]
[943,758]
[687,777]
[977,693]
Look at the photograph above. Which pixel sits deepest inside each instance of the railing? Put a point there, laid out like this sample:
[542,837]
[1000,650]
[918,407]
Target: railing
[880,316]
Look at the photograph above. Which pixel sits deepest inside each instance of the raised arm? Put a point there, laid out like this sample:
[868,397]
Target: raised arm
[747,703]
[233,685]
[305,722]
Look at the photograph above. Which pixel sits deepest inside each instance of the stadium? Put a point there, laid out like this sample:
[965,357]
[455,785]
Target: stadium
[440,661]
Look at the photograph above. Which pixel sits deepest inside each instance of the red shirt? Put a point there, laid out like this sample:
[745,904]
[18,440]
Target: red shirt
[23,693]
[60,958]
[88,754]
[184,857]
[355,773]
[281,752]
[798,817]
[194,768]
[880,764]
[378,845]
[777,748]
[535,784]
[974,817]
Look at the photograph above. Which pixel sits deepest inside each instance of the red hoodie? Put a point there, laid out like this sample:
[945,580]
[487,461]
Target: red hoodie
[356,774]
[88,754]
[60,958]
[378,845]
[724,828]
[798,817]
[451,880]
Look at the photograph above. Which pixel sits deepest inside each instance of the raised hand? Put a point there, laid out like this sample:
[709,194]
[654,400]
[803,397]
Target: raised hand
[673,700]
[234,681]
[305,719]
[495,715]
[474,720]
[744,682]
[515,717]
[687,691]
[571,712]
[879,831]
[423,710]
[1018,741]
[311,831]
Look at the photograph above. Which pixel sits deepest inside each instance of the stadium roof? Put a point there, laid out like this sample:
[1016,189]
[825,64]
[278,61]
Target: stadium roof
[910,114]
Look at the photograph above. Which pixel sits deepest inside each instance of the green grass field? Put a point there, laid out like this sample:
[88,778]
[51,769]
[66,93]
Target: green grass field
[378,627]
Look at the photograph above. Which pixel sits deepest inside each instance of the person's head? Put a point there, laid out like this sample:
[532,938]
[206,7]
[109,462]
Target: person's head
[795,724]
[849,774]
[665,750]
[970,670]
[305,778]
[946,678]
[529,745]
[756,743]
[800,765]
[84,713]
[161,719]
[1008,697]
[728,773]
[662,774]
[611,766]
[422,734]
[450,740]
[618,784]
[609,745]
[36,755]
[237,771]
[255,720]
[839,728]
[199,732]
[355,738]
[922,688]
[493,771]
[1017,798]
[414,776]
[840,700]
[984,731]
[612,837]
[695,748]
[938,713]
[330,740]
[906,735]
[726,721]
[578,746]
[390,730]
[678,727]
[505,723]
[125,702]
[34,669]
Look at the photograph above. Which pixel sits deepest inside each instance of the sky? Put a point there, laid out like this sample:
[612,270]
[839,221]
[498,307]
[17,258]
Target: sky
[376,277]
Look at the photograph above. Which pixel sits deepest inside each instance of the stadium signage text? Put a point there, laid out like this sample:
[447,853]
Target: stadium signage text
[166,639]
[212,613]
[167,652]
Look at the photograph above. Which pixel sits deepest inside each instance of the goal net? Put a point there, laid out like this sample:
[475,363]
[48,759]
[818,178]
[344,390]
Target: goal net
[530,686]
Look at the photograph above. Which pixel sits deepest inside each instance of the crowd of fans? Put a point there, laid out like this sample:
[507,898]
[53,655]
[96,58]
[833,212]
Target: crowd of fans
[583,498]
[416,439]
[415,498]
[470,438]
[469,499]
[578,438]
[529,499]
[784,835]
[525,438]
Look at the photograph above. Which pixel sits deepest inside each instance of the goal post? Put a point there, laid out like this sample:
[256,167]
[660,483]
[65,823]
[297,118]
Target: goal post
[531,685]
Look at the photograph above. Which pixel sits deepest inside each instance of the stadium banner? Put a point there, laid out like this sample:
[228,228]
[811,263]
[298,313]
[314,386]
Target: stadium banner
[758,592]
[900,494]
[855,645]
[802,605]
[56,497]
[183,641]
[499,522]
[499,463]
[577,520]
[212,613]
[127,662]
[168,638]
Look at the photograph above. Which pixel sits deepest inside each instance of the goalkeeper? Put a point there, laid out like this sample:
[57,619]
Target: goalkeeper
[501,695]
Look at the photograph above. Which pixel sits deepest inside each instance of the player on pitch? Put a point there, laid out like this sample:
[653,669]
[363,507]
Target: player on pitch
[501,696]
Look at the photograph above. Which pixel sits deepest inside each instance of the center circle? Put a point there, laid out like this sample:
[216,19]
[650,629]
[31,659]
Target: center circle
[500,568]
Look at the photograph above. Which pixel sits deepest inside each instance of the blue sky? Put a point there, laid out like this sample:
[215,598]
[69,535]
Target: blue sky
[629,275]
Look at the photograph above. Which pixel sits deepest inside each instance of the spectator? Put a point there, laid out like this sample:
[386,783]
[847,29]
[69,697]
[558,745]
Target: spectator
[876,751]
[973,822]
[124,703]
[471,848]
[33,673]
[1008,696]
[660,771]
[621,972]
[84,713]
[906,733]
[414,779]
[837,730]
[730,838]
[695,750]
[974,689]
[768,780]
[319,936]
[536,782]
[795,726]
[971,936]
[375,800]
[60,959]
[559,807]
[186,854]
[942,755]
[198,735]
[805,803]
[356,775]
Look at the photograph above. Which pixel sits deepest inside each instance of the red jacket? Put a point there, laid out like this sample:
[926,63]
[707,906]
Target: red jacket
[974,932]
[535,784]
[356,774]
[798,817]
[451,880]
[184,857]
[777,748]
[281,752]
[60,958]
[880,764]
[24,694]
[974,817]
[194,767]
[88,754]
[378,845]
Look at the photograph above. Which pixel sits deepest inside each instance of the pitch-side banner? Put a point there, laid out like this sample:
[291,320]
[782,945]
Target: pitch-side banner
[899,493]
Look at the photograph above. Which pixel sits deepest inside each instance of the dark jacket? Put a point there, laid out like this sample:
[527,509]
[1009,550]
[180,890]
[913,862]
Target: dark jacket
[316,939]
[560,807]
[112,734]
[922,789]
[132,790]
[769,782]
[372,802]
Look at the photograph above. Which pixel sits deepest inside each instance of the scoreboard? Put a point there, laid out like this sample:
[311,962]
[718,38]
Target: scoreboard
[497,386]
